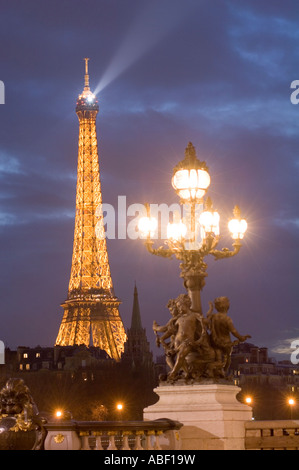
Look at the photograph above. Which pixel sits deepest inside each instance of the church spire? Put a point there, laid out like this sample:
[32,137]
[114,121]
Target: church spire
[136,317]
[137,351]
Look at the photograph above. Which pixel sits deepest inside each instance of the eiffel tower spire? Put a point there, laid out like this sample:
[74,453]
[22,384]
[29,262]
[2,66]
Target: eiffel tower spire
[91,311]
[86,78]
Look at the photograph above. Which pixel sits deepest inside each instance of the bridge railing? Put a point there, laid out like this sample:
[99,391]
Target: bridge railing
[113,435]
[272,435]
[161,434]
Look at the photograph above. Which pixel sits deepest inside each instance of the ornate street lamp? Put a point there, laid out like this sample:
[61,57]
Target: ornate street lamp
[191,181]
[197,347]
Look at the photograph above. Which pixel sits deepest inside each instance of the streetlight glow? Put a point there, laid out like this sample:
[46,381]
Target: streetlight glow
[176,231]
[237,226]
[191,184]
[147,226]
[209,220]
[190,177]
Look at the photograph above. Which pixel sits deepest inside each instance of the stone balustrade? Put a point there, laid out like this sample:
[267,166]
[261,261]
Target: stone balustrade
[272,435]
[160,434]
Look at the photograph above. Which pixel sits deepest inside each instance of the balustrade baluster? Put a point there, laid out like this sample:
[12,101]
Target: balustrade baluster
[98,436]
[139,435]
[126,440]
[84,440]
[157,440]
[111,435]
[149,439]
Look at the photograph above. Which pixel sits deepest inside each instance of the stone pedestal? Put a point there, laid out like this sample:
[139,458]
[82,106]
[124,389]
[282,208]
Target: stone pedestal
[62,436]
[212,417]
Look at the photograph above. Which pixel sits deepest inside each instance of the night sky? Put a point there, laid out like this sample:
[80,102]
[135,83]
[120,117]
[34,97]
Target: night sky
[213,72]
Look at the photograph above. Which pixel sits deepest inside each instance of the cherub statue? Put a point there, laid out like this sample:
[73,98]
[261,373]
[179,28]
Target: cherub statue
[199,346]
[221,327]
[189,330]
[169,331]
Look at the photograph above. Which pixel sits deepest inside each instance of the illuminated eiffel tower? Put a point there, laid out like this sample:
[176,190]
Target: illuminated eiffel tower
[91,311]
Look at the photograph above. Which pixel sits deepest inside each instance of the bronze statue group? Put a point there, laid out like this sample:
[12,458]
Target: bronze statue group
[197,347]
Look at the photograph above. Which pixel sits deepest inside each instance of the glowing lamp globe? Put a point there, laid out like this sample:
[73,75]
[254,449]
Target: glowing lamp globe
[209,220]
[237,226]
[147,226]
[190,177]
[176,231]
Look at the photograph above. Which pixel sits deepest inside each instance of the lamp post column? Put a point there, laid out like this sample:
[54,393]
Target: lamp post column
[193,271]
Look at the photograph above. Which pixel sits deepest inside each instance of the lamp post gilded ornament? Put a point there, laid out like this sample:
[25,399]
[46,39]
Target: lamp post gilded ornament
[198,346]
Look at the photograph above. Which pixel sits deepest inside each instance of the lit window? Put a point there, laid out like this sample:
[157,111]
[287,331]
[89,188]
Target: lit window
[27,366]
[25,355]
[37,355]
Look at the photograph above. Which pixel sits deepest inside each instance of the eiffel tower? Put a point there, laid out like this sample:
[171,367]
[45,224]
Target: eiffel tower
[91,311]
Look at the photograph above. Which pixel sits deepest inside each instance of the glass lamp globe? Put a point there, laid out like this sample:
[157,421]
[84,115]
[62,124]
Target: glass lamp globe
[237,226]
[190,177]
[209,220]
[176,231]
[147,226]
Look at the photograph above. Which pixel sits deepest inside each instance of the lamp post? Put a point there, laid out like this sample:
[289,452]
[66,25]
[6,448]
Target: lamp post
[191,180]
[199,347]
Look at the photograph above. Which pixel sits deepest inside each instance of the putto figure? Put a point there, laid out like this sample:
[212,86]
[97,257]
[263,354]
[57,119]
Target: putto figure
[221,326]
[199,347]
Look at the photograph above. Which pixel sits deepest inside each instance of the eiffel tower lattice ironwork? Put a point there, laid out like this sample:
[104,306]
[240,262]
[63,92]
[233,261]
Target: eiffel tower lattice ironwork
[91,311]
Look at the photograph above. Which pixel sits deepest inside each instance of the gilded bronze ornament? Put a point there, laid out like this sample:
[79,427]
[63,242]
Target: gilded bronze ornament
[21,426]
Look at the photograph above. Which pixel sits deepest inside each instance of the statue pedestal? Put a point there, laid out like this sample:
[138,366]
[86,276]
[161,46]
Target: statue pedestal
[212,417]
